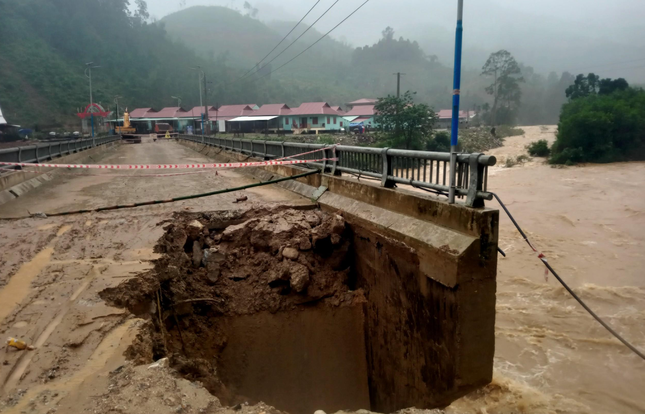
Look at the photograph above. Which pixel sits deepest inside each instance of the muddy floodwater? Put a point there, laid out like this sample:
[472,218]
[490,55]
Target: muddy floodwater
[589,221]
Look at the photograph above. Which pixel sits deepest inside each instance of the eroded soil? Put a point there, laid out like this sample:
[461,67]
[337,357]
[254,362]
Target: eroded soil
[215,266]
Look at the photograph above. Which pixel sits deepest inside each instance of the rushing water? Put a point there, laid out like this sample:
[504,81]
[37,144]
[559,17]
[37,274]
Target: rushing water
[551,355]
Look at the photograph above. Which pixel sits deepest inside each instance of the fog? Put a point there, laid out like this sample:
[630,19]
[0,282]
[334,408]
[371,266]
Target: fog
[603,36]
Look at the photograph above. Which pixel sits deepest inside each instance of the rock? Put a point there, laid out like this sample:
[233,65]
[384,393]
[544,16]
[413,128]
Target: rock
[282,226]
[304,245]
[338,224]
[319,412]
[169,273]
[312,219]
[335,239]
[194,228]
[198,254]
[162,363]
[299,277]
[278,273]
[290,253]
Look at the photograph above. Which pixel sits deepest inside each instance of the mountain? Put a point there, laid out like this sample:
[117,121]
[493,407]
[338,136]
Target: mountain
[46,43]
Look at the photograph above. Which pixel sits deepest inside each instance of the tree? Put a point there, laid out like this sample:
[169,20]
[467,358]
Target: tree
[388,33]
[591,84]
[505,87]
[609,86]
[601,128]
[406,124]
[583,86]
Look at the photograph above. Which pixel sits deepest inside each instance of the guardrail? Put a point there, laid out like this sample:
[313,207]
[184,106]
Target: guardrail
[421,169]
[43,152]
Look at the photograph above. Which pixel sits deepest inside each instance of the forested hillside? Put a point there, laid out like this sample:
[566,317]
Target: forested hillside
[45,45]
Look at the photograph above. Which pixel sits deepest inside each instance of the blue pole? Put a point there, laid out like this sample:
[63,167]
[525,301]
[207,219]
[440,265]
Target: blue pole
[454,133]
[92,125]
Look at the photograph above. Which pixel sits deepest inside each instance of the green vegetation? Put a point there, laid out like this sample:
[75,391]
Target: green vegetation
[46,43]
[405,124]
[507,95]
[591,84]
[539,148]
[605,127]
[504,131]
[439,143]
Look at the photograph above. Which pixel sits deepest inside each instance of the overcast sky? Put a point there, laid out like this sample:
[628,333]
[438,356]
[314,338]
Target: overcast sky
[575,35]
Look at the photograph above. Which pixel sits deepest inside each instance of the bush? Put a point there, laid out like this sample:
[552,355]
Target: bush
[601,128]
[504,131]
[539,148]
[439,143]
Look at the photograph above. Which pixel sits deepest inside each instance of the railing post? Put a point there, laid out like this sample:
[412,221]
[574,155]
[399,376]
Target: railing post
[387,169]
[50,152]
[282,146]
[324,152]
[476,181]
[37,158]
[265,155]
[19,154]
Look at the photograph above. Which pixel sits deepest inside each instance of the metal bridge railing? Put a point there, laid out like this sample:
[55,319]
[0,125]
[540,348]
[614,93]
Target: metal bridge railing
[42,152]
[422,169]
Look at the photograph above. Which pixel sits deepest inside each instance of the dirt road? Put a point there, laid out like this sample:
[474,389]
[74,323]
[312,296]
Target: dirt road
[51,271]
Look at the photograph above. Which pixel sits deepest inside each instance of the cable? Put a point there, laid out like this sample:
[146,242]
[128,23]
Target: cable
[283,39]
[316,42]
[172,200]
[562,282]
[291,44]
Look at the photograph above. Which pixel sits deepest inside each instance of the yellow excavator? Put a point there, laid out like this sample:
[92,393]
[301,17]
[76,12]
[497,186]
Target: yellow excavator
[127,131]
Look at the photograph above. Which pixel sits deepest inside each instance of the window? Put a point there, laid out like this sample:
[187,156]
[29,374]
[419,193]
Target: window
[335,120]
[314,121]
[341,123]
[328,120]
[286,121]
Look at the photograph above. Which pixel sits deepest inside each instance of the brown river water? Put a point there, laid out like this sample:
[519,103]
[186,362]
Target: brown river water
[551,355]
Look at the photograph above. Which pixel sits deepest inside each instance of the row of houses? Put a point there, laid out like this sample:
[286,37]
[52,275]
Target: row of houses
[310,117]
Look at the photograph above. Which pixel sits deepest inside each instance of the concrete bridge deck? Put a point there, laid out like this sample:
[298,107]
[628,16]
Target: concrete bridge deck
[52,270]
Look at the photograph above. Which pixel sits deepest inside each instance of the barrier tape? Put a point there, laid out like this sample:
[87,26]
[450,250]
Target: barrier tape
[117,175]
[167,166]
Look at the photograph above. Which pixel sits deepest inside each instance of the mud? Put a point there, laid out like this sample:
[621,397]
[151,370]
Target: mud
[254,287]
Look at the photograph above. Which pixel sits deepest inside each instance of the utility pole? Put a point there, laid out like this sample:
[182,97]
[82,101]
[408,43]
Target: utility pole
[454,141]
[88,74]
[206,105]
[116,119]
[398,84]
[398,96]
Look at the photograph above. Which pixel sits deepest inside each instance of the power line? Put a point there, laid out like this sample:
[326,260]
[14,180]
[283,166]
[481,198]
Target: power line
[292,43]
[283,39]
[316,42]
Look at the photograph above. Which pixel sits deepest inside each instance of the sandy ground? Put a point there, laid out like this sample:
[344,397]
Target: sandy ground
[51,271]
[551,356]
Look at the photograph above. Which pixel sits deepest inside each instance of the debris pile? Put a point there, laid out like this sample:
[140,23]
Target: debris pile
[222,265]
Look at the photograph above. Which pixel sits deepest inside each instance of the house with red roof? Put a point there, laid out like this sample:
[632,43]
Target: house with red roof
[315,116]
[444,117]
[362,113]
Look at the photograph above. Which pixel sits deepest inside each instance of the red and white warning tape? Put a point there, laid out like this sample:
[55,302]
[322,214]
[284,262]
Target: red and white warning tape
[167,166]
[37,171]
